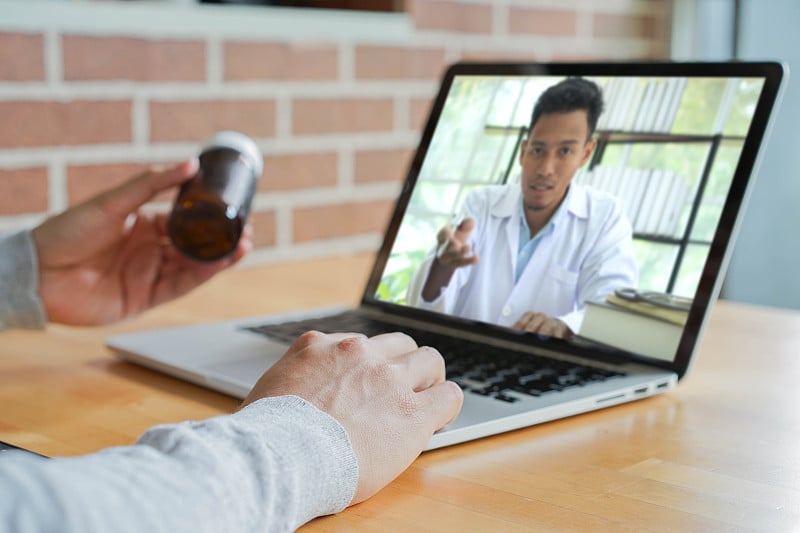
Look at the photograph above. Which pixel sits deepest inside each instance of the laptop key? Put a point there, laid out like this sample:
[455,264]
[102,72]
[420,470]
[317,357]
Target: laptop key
[476,368]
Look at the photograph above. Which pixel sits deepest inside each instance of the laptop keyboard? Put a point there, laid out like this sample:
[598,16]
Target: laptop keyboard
[489,371]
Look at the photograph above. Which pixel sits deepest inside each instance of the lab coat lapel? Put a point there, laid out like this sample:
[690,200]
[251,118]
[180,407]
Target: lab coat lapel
[535,271]
[506,209]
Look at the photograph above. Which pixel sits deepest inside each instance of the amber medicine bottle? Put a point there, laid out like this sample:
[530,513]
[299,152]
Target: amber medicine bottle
[211,208]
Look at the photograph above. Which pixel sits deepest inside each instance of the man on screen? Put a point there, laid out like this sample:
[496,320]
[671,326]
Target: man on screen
[530,255]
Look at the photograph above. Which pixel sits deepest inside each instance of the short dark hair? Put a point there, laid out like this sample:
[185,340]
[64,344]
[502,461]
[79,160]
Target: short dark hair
[566,96]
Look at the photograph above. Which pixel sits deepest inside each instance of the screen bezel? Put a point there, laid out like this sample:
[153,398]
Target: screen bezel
[721,245]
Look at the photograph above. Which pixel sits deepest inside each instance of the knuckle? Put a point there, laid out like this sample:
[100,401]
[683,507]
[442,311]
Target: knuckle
[406,338]
[454,392]
[433,354]
[353,345]
[308,338]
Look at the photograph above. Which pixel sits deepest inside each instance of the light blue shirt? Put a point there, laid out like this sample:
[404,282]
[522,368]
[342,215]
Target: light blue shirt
[527,246]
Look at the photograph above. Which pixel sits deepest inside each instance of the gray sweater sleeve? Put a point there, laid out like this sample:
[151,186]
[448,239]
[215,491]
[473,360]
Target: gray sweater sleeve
[20,306]
[270,467]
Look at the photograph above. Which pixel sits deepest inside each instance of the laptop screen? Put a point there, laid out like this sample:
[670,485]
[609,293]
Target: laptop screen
[585,205]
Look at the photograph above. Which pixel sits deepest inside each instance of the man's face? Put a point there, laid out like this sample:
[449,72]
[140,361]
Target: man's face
[555,149]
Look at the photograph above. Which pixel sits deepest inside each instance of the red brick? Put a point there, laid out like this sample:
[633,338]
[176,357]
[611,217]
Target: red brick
[340,220]
[420,108]
[382,165]
[195,121]
[659,51]
[624,26]
[85,181]
[264,228]
[499,55]
[555,22]
[299,171]
[386,62]
[582,55]
[451,16]
[280,61]
[121,58]
[21,57]
[34,123]
[23,190]
[312,116]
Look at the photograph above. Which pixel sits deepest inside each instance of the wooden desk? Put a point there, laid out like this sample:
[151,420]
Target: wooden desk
[719,453]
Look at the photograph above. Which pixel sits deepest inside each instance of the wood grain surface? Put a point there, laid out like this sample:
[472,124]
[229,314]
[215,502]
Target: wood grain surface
[721,452]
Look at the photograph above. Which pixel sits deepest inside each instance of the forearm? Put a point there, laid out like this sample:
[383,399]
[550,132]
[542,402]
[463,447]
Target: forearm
[20,306]
[270,467]
[439,277]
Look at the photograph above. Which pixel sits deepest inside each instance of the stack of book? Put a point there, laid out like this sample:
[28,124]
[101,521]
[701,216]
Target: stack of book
[634,326]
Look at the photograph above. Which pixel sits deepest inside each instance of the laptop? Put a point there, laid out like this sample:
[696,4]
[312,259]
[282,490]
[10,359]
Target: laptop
[676,147]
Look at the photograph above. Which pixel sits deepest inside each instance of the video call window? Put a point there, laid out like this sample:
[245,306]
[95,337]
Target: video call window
[667,148]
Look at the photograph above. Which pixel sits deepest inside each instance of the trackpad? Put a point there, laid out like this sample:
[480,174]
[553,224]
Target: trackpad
[242,371]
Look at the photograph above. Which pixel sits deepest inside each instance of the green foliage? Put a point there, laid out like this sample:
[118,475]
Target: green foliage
[394,285]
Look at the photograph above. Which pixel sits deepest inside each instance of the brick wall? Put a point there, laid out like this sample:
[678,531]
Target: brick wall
[336,114]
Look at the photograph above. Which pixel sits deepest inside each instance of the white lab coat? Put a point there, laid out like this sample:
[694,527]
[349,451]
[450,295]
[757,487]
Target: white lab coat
[588,255]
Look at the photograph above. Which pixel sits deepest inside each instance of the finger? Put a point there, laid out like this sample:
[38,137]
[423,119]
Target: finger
[465,257]
[536,322]
[459,250]
[175,263]
[161,223]
[445,234]
[444,241]
[454,238]
[521,321]
[531,321]
[423,368]
[546,328]
[464,229]
[244,247]
[393,344]
[552,327]
[181,282]
[179,275]
[138,190]
[443,401]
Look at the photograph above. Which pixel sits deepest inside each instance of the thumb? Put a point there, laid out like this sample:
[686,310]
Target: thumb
[129,196]
[464,229]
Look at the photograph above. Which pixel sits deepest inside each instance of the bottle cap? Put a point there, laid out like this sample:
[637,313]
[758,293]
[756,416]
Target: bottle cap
[242,144]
